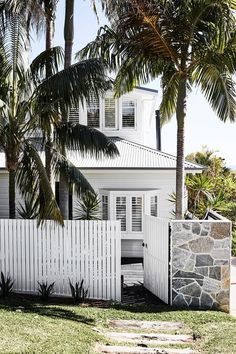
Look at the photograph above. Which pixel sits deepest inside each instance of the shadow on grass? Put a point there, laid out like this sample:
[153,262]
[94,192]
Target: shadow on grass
[49,309]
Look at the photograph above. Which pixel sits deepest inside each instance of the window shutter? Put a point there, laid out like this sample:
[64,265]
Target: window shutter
[154,206]
[93,113]
[74,115]
[121,212]
[110,112]
[104,207]
[137,214]
[128,114]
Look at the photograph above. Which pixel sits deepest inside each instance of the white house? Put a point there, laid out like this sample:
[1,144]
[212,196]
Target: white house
[142,178]
[137,182]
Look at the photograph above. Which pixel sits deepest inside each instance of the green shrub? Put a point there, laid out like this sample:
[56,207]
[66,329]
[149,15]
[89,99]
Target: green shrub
[88,207]
[6,285]
[233,249]
[78,292]
[45,290]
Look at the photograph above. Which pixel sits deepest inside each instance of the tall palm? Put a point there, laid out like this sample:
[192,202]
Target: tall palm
[68,37]
[187,43]
[26,95]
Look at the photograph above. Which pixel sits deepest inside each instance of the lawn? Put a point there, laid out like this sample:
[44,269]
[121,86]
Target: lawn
[36,327]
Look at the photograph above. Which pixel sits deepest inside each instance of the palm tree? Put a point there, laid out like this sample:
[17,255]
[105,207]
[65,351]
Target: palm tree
[30,104]
[68,37]
[186,43]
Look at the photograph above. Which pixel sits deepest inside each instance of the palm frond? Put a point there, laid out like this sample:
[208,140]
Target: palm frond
[32,179]
[74,84]
[52,57]
[84,139]
[219,89]
[72,175]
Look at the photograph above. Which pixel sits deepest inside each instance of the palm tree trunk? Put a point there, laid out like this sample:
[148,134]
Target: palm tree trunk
[12,194]
[68,37]
[49,10]
[180,115]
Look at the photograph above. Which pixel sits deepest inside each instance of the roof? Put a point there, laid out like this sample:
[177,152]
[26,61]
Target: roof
[133,156]
[147,89]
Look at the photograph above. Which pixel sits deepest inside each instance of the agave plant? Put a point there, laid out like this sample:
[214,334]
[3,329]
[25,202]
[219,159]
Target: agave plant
[78,292]
[45,290]
[88,207]
[6,285]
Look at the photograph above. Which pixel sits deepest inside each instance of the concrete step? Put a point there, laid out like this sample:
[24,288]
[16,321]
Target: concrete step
[149,338]
[108,349]
[149,325]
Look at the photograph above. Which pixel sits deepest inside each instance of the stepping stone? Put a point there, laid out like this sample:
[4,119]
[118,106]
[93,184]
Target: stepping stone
[149,338]
[153,325]
[137,350]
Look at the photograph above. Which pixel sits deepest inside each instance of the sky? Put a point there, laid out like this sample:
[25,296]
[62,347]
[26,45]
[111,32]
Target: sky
[203,127]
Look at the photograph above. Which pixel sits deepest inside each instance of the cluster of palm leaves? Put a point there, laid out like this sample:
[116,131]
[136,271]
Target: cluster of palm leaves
[214,189]
[185,43]
[31,108]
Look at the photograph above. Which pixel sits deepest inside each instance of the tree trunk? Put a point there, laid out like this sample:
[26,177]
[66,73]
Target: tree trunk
[68,37]
[49,11]
[180,115]
[12,194]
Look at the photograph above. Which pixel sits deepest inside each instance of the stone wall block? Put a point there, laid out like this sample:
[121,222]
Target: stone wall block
[220,253]
[196,228]
[193,289]
[215,272]
[220,230]
[201,245]
[211,285]
[179,257]
[202,270]
[204,260]
[225,277]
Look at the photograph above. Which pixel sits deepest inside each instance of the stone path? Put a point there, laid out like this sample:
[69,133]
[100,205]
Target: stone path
[233,287]
[144,337]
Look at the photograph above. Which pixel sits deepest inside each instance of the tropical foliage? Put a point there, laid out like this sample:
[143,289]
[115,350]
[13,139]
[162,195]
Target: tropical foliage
[214,189]
[31,103]
[187,43]
[88,207]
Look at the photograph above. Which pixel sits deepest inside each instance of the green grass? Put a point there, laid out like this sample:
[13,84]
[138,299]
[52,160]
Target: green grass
[57,328]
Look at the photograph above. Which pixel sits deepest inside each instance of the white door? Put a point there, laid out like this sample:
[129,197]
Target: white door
[156,257]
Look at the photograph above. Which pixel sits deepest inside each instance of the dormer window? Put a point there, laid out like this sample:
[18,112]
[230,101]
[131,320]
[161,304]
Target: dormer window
[93,113]
[110,113]
[128,114]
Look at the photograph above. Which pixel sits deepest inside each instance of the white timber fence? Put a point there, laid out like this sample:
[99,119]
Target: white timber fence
[88,250]
[156,256]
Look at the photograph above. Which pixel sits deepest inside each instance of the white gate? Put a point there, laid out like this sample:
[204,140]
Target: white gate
[156,256]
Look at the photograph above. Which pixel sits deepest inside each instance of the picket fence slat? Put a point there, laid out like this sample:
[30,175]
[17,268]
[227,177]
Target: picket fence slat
[88,250]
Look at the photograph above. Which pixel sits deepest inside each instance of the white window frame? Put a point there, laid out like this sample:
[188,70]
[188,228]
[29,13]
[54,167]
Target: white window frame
[122,99]
[146,207]
[116,113]
[100,114]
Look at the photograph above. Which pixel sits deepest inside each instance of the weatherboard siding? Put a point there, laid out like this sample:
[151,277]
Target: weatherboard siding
[4,205]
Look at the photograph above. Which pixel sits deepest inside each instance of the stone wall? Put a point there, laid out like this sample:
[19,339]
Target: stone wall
[200,257]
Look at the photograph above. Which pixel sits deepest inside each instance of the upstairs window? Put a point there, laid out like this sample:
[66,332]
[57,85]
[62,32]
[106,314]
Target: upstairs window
[128,114]
[110,113]
[93,113]
[74,115]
